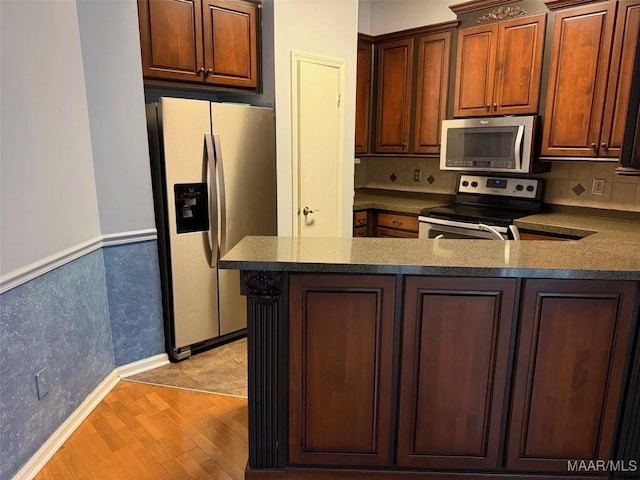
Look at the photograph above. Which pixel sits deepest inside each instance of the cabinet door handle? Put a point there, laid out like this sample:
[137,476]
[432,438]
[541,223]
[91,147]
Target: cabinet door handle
[209,71]
[488,106]
[201,70]
[495,106]
[594,146]
[604,145]
[396,222]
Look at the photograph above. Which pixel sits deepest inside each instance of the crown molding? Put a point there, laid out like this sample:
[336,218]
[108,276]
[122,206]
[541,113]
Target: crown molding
[558,4]
[475,5]
[418,31]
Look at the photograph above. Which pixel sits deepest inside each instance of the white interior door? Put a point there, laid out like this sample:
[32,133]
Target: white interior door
[318,138]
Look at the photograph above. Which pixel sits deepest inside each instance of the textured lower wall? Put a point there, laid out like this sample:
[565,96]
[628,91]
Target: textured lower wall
[135,304]
[60,321]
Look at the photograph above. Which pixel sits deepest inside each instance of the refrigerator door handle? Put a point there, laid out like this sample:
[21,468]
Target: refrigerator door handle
[221,192]
[212,234]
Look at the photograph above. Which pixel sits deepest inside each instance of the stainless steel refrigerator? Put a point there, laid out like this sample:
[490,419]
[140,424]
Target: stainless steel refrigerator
[214,182]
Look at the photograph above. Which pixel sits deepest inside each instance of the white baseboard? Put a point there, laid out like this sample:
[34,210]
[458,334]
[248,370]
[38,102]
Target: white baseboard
[142,365]
[55,441]
[62,434]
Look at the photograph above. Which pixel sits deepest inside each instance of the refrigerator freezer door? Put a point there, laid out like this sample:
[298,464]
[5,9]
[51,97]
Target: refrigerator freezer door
[194,282]
[244,142]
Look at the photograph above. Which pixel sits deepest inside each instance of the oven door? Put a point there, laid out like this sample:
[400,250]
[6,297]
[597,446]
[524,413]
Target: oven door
[440,228]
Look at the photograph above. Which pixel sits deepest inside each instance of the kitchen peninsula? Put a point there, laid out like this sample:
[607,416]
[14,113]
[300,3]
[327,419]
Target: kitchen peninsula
[440,359]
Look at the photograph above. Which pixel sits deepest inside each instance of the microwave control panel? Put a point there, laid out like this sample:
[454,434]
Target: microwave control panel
[502,186]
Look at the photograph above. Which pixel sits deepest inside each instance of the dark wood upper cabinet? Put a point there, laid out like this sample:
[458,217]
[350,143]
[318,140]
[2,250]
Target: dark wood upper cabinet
[570,359]
[393,98]
[475,70]
[363,92]
[171,39]
[625,42]
[577,84]
[434,52]
[341,342]
[630,153]
[230,43]
[498,67]
[455,352]
[412,85]
[208,42]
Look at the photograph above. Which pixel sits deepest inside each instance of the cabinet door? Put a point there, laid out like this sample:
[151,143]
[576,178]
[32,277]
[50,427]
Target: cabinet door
[580,57]
[455,350]
[519,65]
[475,70]
[432,89]
[624,46]
[341,341]
[363,95]
[171,39]
[230,43]
[395,70]
[383,232]
[572,347]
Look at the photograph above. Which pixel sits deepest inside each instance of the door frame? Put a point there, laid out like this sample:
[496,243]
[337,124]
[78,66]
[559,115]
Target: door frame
[298,58]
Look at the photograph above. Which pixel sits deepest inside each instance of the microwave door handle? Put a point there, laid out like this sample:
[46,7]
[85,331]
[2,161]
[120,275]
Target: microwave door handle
[518,148]
[212,235]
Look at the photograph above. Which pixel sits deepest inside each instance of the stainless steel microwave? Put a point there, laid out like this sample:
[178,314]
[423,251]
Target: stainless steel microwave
[489,144]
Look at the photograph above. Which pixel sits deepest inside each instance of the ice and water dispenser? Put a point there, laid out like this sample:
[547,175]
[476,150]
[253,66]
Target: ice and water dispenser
[192,211]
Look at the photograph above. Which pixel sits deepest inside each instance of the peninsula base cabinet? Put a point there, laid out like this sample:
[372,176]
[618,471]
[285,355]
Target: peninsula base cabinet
[568,382]
[455,347]
[341,334]
[409,377]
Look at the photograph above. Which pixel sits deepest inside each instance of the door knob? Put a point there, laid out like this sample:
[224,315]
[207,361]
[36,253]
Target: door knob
[306,211]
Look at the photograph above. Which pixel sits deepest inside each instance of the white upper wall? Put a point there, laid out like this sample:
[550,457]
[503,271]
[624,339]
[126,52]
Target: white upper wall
[115,95]
[392,15]
[364,16]
[48,200]
[326,28]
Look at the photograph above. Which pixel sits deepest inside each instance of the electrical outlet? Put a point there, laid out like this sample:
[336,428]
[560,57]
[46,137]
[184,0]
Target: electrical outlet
[417,175]
[597,186]
[42,383]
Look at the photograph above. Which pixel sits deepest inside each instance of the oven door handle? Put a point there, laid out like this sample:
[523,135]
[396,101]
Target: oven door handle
[454,223]
[487,228]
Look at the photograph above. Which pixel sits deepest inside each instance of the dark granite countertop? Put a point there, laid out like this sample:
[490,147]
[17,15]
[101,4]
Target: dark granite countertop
[582,259]
[400,202]
[610,248]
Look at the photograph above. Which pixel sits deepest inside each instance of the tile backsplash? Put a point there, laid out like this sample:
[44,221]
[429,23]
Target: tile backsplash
[568,183]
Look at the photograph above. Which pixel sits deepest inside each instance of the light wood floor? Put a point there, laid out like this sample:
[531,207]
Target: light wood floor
[144,431]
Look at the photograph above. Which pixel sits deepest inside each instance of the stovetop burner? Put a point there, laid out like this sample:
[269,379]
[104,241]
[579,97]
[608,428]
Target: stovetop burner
[473,213]
[491,200]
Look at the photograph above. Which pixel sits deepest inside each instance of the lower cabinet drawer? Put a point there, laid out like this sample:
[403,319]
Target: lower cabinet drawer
[394,220]
[390,232]
[360,231]
[359,219]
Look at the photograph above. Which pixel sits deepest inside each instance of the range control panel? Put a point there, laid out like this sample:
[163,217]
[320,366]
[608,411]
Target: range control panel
[503,186]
